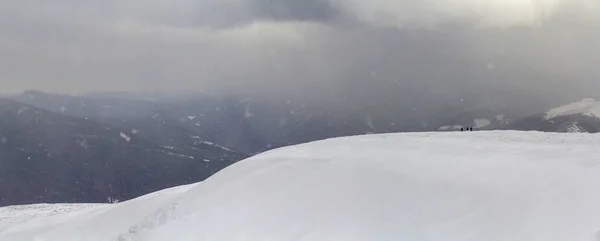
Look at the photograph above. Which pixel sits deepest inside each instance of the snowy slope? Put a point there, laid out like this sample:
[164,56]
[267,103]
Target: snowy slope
[80,221]
[481,123]
[13,218]
[586,107]
[577,117]
[465,186]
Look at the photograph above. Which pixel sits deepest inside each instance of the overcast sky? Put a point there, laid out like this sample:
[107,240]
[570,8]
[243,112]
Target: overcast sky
[450,48]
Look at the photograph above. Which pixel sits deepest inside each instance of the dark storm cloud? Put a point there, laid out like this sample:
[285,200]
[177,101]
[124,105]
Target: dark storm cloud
[380,50]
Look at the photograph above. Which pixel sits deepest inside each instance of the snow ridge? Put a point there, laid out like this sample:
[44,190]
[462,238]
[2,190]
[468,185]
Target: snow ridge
[587,107]
[574,128]
[481,123]
[437,186]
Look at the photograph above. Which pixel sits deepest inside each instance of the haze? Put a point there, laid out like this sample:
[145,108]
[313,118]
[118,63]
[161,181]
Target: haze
[493,52]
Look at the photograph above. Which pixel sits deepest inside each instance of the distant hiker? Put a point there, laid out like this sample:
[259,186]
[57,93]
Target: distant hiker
[462,129]
[471,128]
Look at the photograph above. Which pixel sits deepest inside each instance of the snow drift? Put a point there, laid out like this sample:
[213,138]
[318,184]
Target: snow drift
[514,186]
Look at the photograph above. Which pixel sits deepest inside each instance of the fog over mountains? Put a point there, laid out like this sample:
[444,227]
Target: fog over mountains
[340,53]
[52,157]
[100,147]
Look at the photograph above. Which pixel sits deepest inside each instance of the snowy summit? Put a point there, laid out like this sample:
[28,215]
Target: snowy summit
[513,186]
[587,107]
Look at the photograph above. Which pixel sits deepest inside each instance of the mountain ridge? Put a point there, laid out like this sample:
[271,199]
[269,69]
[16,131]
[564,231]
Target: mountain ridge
[397,185]
[50,157]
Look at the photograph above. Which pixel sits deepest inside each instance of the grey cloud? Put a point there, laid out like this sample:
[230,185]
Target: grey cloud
[286,10]
[489,13]
[375,52]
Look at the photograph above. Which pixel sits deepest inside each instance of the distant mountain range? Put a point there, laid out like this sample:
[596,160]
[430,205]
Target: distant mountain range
[251,126]
[50,157]
[88,148]
[245,125]
[581,116]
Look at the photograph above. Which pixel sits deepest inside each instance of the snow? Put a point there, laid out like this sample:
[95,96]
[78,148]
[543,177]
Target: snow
[481,123]
[14,216]
[63,109]
[191,117]
[179,155]
[22,109]
[444,128]
[500,117]
[460,186]
[125,136]
[216,145]
[587,107]
[49,222]
[574,128]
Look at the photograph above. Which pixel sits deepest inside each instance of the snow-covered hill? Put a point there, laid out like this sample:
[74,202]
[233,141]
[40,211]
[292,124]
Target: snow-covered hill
[479,120]
[465,186]
[580,116]
[586,107]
